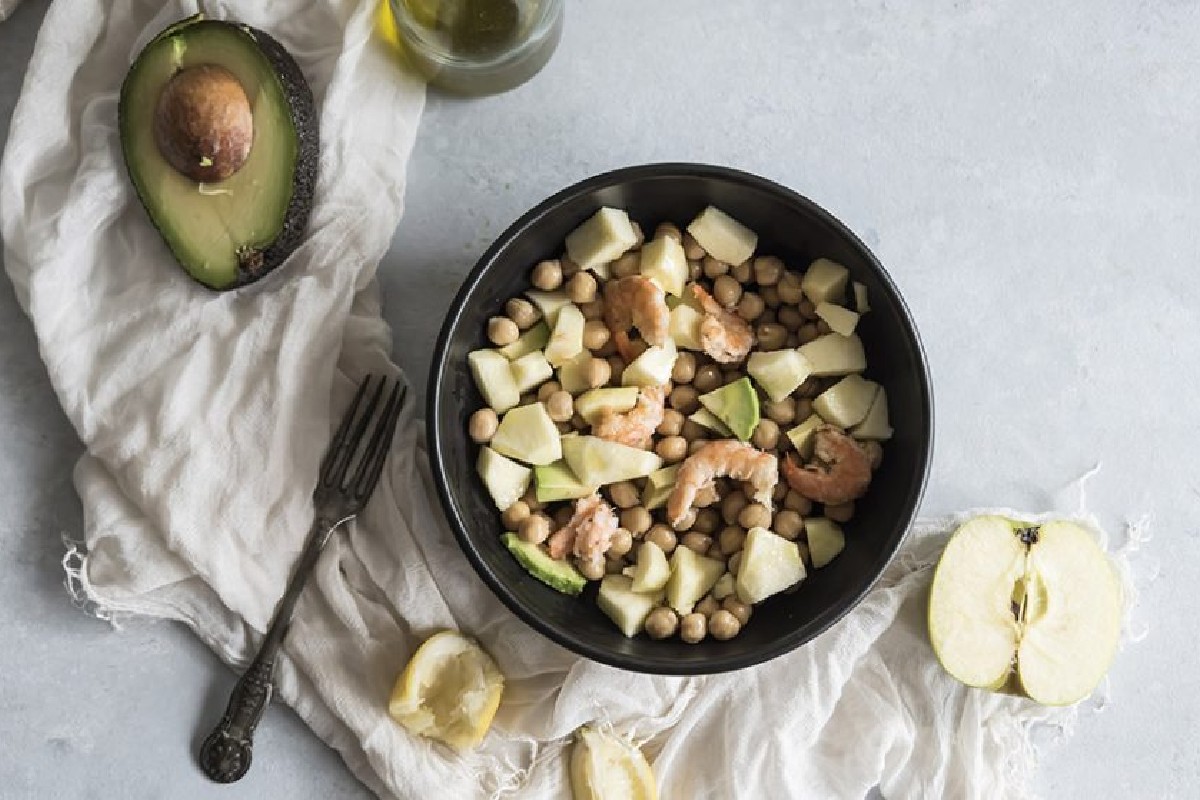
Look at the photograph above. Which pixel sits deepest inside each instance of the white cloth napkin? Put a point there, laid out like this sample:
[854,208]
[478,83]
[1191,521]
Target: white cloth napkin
[205,417]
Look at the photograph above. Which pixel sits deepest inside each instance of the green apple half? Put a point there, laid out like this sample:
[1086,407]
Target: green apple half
[1038,603]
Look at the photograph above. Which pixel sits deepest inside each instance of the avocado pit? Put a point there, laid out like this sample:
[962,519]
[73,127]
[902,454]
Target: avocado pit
[203,123]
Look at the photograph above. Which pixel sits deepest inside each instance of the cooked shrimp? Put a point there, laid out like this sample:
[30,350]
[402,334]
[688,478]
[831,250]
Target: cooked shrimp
[840,472]
[588,534]
[636,302]
[635,427]
[724,335]
[718,459]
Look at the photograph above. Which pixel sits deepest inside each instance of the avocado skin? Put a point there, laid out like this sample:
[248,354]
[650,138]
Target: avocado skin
[302,110]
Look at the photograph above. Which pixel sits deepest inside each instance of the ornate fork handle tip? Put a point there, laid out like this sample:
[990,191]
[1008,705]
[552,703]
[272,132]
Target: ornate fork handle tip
[226,753]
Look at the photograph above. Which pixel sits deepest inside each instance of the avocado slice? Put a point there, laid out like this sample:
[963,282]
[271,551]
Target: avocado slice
[219,133]
[558,575]
[735,404]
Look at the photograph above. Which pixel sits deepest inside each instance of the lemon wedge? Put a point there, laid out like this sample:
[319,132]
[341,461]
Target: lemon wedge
[449,691]
[606,767]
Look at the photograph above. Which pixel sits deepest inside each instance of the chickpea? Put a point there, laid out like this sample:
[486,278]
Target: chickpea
[593,310]
[788,524]
[810,389]
[513,515]
[697,542]
[692,249]
[734,563]
[766,434]
[662,623]
[782,412]
[595,334]
[770,296]
[685,399]
[663,537]
[807,333]
[781,489]
[789,318]
[754,515]
[534,529]
[842,512]
[695,270]
[708,378]
[547,276]
[598,373]
[732,505]
[789,288]
[794,501]
[693,627]
[639,236]
[672,449]
[636,520]
[771,335]
[793,341]
[562,516]
[743,273]
[874,451]
[684,369]
[560,406]
[804,408]
[714,268]
[623,494]
[807,309]
[707,521]
[723,625]
[482,425]
[522,312]
[530,499]
[693,430]
[592,570]
[672,423]
[547,389]
[750,307]
[687,521]
[626,265]
[737,608]
[731,540]
[502,331]
[707,606]
[727,291]
[715,553]
[823,327]
[668,229]
[767,317]
[767,270]
[696,445]
[569,267]
[622,543]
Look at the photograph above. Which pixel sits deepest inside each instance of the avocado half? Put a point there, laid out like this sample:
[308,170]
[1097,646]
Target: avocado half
[219,133]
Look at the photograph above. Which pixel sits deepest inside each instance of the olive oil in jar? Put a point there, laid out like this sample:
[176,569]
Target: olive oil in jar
[479,47]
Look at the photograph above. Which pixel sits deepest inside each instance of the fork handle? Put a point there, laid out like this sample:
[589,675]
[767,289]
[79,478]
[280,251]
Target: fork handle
[226,752]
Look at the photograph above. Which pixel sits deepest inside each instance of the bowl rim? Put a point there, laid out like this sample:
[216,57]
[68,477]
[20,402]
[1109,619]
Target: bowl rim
[435,399]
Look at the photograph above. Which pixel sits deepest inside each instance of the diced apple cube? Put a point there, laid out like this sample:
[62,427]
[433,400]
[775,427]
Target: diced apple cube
[840,320]
[722,236]
[549,303]
[659,485]
[598,462]
[533,339]
[573,375]
[875,425]
[825,540]
[725,586]
[651,368]
[802,435]
[625,607]
[527,434]
[692,575]
[778,372]
[506,480]
[663,261]
[769,565]
[591,404]
[652,570]
[834,354]
[604,237]
[531,370]
[494,379]
[825,281]
[862,303]
[711,421]
[566,340]
[847,402]
[685,326]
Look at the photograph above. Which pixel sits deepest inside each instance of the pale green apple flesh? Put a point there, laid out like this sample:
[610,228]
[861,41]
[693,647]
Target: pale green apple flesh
[1037,607]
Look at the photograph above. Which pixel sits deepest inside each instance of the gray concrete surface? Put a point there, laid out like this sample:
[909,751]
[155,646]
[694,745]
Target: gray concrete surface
[1027,171]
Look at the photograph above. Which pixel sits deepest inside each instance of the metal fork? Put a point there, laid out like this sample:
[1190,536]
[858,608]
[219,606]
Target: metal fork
[349,472]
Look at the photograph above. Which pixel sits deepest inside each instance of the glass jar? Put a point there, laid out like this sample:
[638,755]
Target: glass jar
[477,47]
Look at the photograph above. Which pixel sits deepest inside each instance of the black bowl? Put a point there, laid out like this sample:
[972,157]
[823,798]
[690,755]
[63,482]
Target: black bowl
[789,226]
